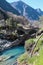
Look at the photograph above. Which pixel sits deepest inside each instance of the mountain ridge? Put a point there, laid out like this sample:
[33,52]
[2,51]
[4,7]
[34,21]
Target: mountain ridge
[7,7]
[26,10]
[39,11]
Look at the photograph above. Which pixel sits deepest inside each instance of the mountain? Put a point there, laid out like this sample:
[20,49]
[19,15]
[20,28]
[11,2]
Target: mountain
[39,11]
[26,10]
[7,7]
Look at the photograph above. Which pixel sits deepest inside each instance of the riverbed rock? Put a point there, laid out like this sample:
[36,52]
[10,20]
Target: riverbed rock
[1,59]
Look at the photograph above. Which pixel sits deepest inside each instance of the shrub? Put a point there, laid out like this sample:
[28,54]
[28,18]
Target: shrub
[28,44]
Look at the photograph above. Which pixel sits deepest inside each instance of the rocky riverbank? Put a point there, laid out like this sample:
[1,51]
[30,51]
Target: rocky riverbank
[16,38]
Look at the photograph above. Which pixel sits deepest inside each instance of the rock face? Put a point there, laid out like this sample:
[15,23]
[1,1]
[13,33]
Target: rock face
[18,19]
[6,44]
[17,39]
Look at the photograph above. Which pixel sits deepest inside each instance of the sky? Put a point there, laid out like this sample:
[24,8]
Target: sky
[33,3]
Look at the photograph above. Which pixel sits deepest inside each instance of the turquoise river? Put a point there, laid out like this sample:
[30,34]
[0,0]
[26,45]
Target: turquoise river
[11,55]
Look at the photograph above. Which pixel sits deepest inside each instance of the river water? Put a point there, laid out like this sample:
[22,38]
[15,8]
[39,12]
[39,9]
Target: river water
[11,55]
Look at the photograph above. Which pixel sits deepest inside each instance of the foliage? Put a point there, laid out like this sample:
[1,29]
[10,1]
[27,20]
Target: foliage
[28,43]
[41,18]
[37,58]
[11,23]
[40,58]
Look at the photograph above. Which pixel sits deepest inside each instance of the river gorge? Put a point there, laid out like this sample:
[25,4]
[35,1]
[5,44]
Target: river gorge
[9,56]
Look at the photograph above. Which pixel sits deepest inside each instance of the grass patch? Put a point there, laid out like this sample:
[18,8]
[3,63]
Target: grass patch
[34,60]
